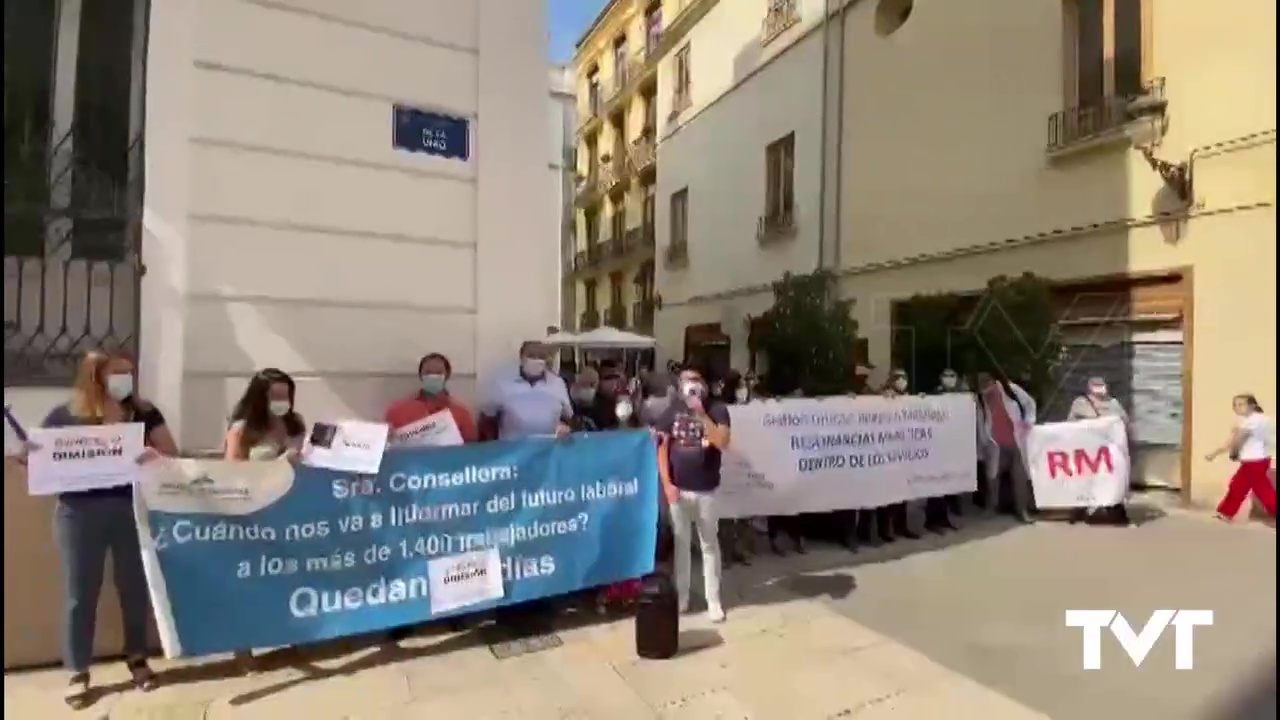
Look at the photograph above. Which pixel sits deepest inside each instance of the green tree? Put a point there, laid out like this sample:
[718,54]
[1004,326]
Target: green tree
[808,336]
[1015,332]
[929,336]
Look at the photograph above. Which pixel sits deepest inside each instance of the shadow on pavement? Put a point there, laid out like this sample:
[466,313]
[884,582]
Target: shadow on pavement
[1253,699]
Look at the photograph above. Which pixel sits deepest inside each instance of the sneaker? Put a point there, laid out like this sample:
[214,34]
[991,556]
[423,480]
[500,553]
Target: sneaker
[715,613]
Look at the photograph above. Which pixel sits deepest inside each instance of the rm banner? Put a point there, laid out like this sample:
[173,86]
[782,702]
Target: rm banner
[1079,464]
[264,554]
[794,456]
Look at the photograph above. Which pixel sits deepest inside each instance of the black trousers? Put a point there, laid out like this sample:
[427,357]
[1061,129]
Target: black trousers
[789,525]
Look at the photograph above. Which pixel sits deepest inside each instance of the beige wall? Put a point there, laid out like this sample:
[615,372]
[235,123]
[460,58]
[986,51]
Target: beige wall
[281,228]
[946,180]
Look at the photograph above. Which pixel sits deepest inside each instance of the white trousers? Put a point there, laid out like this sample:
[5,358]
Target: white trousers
[697,510]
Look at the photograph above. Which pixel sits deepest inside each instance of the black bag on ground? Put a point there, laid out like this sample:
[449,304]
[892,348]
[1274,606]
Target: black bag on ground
[657,618]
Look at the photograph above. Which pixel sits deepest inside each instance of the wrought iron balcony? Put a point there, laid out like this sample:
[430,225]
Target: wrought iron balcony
[616,316]
[644,152]
[614,175]
[1105,117]
[581,260]
[589,320]
[642,315]
[595,253]
[617,246]
[591,121]
[776,225]
[781,15]
[591,186]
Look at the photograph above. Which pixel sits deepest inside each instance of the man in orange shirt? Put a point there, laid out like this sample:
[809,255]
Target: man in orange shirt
[434,371]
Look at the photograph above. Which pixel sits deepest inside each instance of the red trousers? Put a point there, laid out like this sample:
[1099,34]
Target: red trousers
[1251,475]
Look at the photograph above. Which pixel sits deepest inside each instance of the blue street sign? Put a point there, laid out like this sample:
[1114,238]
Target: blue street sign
[431,133]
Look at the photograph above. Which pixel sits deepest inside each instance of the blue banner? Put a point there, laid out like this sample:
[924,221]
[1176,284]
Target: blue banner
[264,554]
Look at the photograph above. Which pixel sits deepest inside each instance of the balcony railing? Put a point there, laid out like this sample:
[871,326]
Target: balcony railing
[776,225]
[614,173]
[617,246]
[616,316]
[781,15]
[682,100]
[677,254]
[1101,118]
[589,320]
[595,253]
[590,185]
[581,260]
[644,152]
[642,315]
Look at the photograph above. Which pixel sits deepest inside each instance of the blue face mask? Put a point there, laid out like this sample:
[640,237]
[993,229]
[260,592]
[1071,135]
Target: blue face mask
[433,384]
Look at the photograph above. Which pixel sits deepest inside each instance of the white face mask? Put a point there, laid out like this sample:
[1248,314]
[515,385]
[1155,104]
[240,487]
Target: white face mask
[691,389]
[741,395]
[119,386]
[948,382]
[624,410]
[533,367]
[1098,390]
[279,408]
[900,384]
[584,394]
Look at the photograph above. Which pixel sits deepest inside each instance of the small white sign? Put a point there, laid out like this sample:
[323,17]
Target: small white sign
[348,446]
[88,457]
[1138,645]
[459,581]
[435,430]
[1084,463]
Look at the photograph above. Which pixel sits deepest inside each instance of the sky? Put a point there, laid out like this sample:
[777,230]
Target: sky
[568,20]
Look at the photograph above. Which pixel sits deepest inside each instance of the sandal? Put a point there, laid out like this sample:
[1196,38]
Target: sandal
[144,678]
[77,693]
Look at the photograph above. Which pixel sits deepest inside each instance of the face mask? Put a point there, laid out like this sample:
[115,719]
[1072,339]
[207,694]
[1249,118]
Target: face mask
[900,384]
[533,367]
[1098,390]
[119,386]
[280,408]
[433,384]
[948,382]
[624,410]
[584,395]
[741,395]
[691,389]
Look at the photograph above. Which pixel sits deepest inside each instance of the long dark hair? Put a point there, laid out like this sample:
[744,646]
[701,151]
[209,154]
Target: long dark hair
[254,406]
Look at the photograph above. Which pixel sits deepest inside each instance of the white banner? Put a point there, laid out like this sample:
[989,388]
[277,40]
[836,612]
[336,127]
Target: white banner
[1079,464]
[85,457]
[802,455]
[438,429]
[348,446]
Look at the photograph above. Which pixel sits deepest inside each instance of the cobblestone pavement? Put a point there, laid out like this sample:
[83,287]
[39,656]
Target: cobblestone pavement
[966,626]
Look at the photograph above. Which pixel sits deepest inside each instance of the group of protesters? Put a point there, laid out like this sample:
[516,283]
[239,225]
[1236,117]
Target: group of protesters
[687,413]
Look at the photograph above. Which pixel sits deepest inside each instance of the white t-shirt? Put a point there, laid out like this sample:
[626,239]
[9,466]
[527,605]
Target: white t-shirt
[1257,439]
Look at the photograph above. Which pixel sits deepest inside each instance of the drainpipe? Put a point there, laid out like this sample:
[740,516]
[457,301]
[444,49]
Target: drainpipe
[822,140]
[839,149]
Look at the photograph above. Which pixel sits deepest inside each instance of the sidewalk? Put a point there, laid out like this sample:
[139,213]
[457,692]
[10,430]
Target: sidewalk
[790,659]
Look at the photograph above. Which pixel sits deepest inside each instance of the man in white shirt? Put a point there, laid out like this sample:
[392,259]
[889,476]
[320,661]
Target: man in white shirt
[533,402]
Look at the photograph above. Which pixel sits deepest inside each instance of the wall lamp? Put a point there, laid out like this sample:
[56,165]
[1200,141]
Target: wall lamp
[1146,127]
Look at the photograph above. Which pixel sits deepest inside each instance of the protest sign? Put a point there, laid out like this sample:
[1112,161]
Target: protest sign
[244,555]
[435,430]
[802,455]
[1079,464]
[87,457]
[348,446]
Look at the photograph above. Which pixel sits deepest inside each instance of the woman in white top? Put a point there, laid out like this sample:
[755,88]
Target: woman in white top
[1250,445]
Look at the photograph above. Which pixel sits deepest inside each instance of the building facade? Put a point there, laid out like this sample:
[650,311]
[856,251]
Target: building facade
[742,171]
[334,219]
[1092,143]
[616,67]
[563,123]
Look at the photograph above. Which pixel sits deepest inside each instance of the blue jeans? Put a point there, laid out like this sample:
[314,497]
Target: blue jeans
[85,528]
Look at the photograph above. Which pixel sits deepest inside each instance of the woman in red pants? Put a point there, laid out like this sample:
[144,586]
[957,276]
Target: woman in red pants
[1250,445]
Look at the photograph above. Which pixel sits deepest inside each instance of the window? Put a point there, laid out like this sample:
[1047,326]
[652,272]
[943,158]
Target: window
[620,61]
[680,218]
[593,91]
[652,27]
[592,223]
[1108,49]
[780,194]
[682,72]
[647,209]
[589,291]
[592,157]
[615,290]
[650,113]
[618,223]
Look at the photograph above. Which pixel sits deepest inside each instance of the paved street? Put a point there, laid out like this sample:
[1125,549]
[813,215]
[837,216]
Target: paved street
[970,627]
